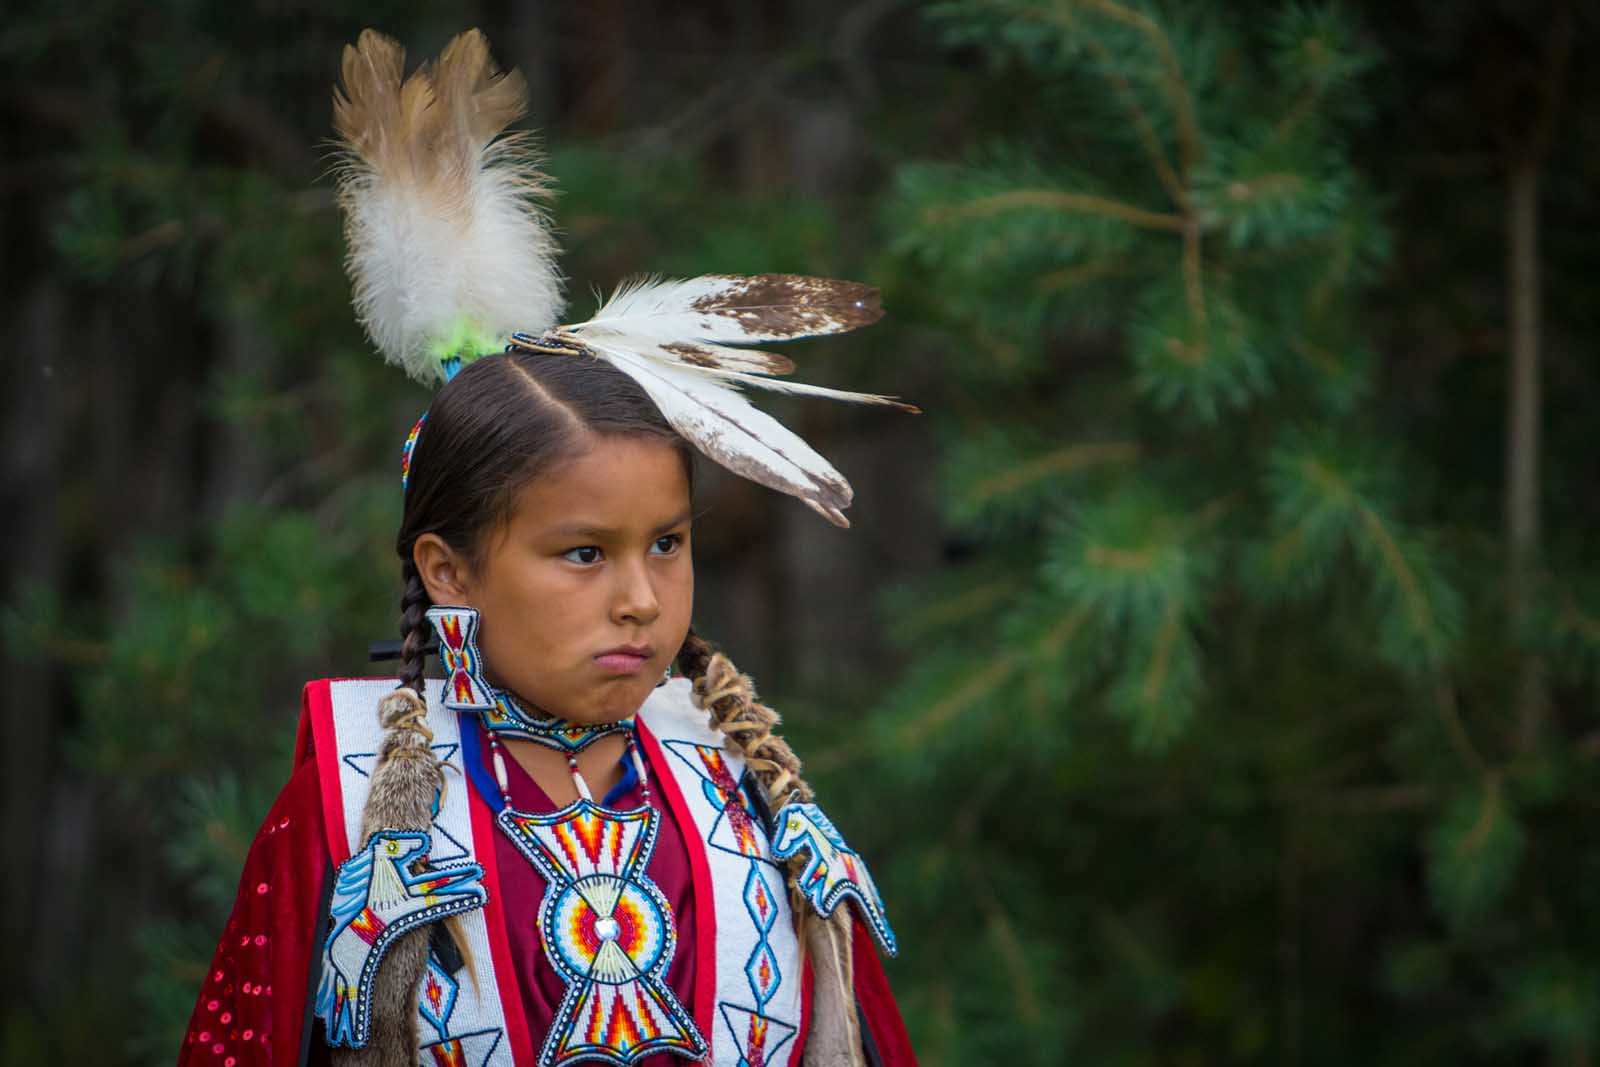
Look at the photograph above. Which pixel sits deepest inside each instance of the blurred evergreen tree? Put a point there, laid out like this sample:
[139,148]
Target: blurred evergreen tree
[257,514]
[1209,750]
[1215,679]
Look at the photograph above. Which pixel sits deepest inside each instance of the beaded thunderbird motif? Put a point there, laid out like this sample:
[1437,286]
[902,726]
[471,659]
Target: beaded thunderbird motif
[378,897]
[834,871]
[608,932]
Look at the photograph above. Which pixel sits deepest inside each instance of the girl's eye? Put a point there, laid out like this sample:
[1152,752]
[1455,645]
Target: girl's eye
[584,554]
[671,541]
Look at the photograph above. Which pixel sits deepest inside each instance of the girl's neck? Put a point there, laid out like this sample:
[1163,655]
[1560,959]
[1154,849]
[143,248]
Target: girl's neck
[600,764]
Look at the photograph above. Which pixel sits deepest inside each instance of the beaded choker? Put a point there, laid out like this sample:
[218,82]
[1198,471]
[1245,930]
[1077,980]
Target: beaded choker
[466,689]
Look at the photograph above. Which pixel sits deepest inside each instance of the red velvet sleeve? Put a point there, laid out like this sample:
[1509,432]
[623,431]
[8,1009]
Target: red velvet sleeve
[252,1006]
[878,1009]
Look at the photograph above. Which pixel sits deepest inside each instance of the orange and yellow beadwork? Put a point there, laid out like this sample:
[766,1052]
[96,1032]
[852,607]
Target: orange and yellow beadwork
[608,932]
[407,450]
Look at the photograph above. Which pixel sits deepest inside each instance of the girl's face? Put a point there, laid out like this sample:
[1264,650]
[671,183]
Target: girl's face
[585,596]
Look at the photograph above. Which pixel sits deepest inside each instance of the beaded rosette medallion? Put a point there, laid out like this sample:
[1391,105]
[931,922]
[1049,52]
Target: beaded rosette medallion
[608,932]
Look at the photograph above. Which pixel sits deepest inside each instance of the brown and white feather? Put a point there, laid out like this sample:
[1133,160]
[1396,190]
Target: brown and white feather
[736,309]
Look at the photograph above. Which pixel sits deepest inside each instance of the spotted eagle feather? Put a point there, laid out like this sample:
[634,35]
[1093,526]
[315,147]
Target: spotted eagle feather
[675,337]
[735,309]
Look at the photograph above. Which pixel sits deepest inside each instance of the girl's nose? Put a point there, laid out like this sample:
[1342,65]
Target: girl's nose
[636,595]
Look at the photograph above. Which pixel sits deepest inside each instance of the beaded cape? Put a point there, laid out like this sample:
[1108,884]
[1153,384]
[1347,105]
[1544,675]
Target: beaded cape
[256,1005]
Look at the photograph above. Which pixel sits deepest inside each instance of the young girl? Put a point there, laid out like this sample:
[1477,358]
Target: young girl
[585,843]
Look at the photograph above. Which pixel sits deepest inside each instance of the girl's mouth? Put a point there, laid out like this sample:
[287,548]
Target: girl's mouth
[619,662]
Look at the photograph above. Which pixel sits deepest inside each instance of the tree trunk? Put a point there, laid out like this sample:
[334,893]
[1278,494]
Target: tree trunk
[1522,432]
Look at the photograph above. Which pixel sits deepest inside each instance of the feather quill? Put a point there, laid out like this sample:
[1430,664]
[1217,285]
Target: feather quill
[722,364]
[803,389]
[448,247]
[720,357]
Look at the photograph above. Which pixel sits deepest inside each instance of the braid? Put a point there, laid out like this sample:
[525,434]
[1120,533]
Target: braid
[407,779]
[414,628]
[730,699]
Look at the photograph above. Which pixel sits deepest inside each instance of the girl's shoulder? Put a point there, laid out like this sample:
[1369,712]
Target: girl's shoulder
[340,735]
[335,709]
[268,940]
[670,711]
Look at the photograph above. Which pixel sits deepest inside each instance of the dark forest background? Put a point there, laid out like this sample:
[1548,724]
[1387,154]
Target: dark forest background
[1210,675]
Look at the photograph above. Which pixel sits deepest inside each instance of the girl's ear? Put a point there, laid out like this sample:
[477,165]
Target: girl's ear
[443,571]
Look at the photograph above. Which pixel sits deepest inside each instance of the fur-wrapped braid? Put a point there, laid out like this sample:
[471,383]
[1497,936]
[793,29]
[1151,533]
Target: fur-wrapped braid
[414,626]
[404,784]
[729,697]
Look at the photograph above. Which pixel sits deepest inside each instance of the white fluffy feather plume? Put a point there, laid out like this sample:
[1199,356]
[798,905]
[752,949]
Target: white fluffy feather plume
[672,338]
[447,245]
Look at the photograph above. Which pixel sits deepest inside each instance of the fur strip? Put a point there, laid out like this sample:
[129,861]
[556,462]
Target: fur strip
[834,1039]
